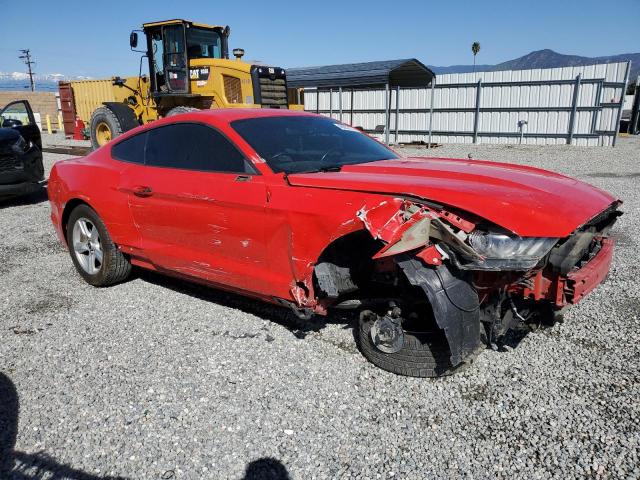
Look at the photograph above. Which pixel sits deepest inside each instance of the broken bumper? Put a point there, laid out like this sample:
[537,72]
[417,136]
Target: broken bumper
[579,283]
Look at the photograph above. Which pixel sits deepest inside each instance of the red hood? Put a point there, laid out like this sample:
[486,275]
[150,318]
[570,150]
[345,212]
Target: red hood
[528,201]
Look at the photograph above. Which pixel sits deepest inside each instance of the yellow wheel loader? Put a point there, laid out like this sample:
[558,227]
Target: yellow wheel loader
[189,68]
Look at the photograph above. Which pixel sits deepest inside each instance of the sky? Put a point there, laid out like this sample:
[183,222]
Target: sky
[74,37]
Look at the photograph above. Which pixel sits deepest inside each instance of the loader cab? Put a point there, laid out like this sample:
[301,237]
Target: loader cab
[171,45]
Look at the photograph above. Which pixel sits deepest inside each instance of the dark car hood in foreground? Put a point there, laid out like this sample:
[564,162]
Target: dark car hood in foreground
[528,201]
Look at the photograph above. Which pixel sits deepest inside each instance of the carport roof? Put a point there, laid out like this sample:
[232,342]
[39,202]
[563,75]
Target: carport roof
[407,72]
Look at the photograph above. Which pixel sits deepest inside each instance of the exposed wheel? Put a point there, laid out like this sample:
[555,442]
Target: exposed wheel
[93,252]
[410,347]
[105,126]
[179,110]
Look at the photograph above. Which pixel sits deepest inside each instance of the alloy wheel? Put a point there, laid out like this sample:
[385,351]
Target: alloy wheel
[87,245]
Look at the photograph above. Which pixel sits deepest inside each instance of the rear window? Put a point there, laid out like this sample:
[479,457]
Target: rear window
[131,149]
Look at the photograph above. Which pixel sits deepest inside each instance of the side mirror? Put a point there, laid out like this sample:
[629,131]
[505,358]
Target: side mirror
[11,122]
[133,40]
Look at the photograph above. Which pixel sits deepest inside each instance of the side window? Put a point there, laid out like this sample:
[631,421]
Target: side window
[190,146]
[131,149]
[157,60]
[212,149]
[166,147]
[175,58]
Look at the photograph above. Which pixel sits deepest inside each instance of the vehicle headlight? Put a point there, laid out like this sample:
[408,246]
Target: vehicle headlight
[506,252]
[20,146]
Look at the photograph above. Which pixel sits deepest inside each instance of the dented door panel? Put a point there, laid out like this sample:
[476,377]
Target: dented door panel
[201,224]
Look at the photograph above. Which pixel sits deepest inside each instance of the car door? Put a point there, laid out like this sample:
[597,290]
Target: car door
[199,206]
[19,116]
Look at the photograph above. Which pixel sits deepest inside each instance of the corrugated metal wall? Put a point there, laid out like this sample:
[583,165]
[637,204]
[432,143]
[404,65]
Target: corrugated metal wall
[90,94]
[490,107]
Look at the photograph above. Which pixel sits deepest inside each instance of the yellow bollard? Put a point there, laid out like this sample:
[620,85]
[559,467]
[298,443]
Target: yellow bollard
[60,123]
[49,125]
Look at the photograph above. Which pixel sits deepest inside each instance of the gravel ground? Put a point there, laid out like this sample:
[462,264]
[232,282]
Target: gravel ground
[158,379]
[60,139]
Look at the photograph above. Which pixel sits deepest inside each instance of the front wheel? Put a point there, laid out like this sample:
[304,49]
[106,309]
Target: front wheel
[404,346]
[96,258]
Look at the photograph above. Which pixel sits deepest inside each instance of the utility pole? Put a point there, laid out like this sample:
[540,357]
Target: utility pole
[26,56]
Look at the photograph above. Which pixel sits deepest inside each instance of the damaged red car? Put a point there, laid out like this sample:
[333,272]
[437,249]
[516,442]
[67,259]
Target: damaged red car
[437,256]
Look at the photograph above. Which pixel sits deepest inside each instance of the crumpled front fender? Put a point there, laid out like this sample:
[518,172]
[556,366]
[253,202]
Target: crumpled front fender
[455,304]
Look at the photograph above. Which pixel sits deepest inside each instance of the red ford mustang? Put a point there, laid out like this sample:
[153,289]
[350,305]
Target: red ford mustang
[437,255]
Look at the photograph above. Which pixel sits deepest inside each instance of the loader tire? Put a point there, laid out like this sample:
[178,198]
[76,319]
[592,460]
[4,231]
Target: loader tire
[105,126]
[179,110]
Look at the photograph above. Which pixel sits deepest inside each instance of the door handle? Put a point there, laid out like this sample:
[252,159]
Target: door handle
[243,178]
[142,191]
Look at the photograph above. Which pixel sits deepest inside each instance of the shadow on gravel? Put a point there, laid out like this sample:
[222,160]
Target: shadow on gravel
[33,198]
[280,315]
[266,469]
[15,465]
[298,327]
[513,337]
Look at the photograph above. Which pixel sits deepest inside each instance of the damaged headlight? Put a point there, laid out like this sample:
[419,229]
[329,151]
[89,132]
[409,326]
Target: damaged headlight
[505,252]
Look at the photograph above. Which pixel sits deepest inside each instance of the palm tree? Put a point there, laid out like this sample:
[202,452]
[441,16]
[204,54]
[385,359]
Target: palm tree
[475,48]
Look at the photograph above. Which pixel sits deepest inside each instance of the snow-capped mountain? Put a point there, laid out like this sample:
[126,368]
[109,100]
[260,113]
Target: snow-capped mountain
[49,77]
[45,82]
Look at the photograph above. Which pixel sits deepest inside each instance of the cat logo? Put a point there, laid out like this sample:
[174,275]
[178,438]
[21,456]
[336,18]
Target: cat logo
[199,73]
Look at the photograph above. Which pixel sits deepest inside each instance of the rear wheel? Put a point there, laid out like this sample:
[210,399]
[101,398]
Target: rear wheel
[179,110]
[95,256]
[105,126]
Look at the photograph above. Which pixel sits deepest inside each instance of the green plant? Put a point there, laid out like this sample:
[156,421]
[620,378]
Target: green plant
[475,48]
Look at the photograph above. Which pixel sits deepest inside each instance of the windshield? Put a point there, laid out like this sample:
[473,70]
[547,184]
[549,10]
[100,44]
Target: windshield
[295,144]
[203,43]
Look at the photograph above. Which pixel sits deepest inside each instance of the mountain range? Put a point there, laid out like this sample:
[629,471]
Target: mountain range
[47,82]
[546,59]
[49,77]
[537,59]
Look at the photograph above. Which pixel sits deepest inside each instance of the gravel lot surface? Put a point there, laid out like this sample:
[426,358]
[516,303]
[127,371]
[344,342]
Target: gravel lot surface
[159,379]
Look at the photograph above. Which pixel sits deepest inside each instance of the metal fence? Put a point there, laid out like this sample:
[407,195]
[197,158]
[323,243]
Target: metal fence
[573,105]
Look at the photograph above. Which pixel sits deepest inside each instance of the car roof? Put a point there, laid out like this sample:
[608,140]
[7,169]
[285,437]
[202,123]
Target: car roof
[227,115]
[219,117]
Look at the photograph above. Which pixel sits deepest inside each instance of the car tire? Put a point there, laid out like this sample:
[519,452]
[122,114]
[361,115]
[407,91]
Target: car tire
[112,267]
[424,354]
[179,110]
[104,123]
